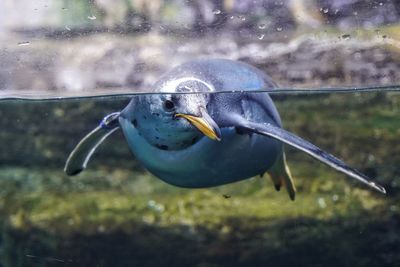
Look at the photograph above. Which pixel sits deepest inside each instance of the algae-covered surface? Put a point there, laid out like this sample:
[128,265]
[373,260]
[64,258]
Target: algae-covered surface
[117,214]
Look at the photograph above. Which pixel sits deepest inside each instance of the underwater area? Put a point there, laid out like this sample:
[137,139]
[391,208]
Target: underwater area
[64,65]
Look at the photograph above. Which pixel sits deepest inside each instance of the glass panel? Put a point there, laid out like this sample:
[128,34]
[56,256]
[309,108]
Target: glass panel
[66,65]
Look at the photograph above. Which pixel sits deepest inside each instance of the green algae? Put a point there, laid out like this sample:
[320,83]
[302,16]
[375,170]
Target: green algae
[120,215]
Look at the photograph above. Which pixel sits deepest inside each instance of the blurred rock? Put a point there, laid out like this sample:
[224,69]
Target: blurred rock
[22,69]
[85,45]
[135,63]
[192,18]
[360,13]
[114,68]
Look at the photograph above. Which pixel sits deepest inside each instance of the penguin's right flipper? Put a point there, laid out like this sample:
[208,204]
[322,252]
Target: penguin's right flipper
[80,156]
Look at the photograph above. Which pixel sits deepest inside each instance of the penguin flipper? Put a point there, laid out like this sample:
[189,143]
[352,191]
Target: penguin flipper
[280,175]
[286,137]
[80,156]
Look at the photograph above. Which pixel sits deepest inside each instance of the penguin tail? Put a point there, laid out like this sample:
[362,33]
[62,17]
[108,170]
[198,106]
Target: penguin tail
[280,175]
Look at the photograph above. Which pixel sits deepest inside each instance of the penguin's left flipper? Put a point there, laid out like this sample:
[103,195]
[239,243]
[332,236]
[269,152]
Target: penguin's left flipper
[286,137]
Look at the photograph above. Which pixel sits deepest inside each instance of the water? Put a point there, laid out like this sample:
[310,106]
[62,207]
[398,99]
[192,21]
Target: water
[117,214]
[64,65]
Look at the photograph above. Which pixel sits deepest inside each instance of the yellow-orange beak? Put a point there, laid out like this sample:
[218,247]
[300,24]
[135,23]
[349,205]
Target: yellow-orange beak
[205,124]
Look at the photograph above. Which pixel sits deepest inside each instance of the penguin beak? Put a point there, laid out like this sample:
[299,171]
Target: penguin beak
[204,124]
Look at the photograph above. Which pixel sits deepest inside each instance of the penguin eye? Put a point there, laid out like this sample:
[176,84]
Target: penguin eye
[168,105]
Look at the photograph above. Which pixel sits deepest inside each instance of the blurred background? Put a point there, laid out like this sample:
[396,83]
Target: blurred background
[117,214]
[127,44]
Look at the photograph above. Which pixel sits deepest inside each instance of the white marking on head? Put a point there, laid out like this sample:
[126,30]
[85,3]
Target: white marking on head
[171,85]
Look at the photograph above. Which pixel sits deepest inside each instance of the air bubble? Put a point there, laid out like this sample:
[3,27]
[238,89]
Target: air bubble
[346,36]
[155,206]
[262,26]
[321,203]
[216,12]
[24,43]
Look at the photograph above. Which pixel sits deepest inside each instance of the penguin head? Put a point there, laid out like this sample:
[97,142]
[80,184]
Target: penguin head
[175,118]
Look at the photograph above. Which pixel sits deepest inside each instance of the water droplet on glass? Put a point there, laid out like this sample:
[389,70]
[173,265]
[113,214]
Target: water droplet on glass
[279,29]
[260,36]
[92,17]
[335,198]
[325,10]
[381,4]
[24,43]
[262,26]
[216,11]
[346,36]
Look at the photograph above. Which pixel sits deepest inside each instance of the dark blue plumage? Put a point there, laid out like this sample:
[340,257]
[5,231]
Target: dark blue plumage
[196,134]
